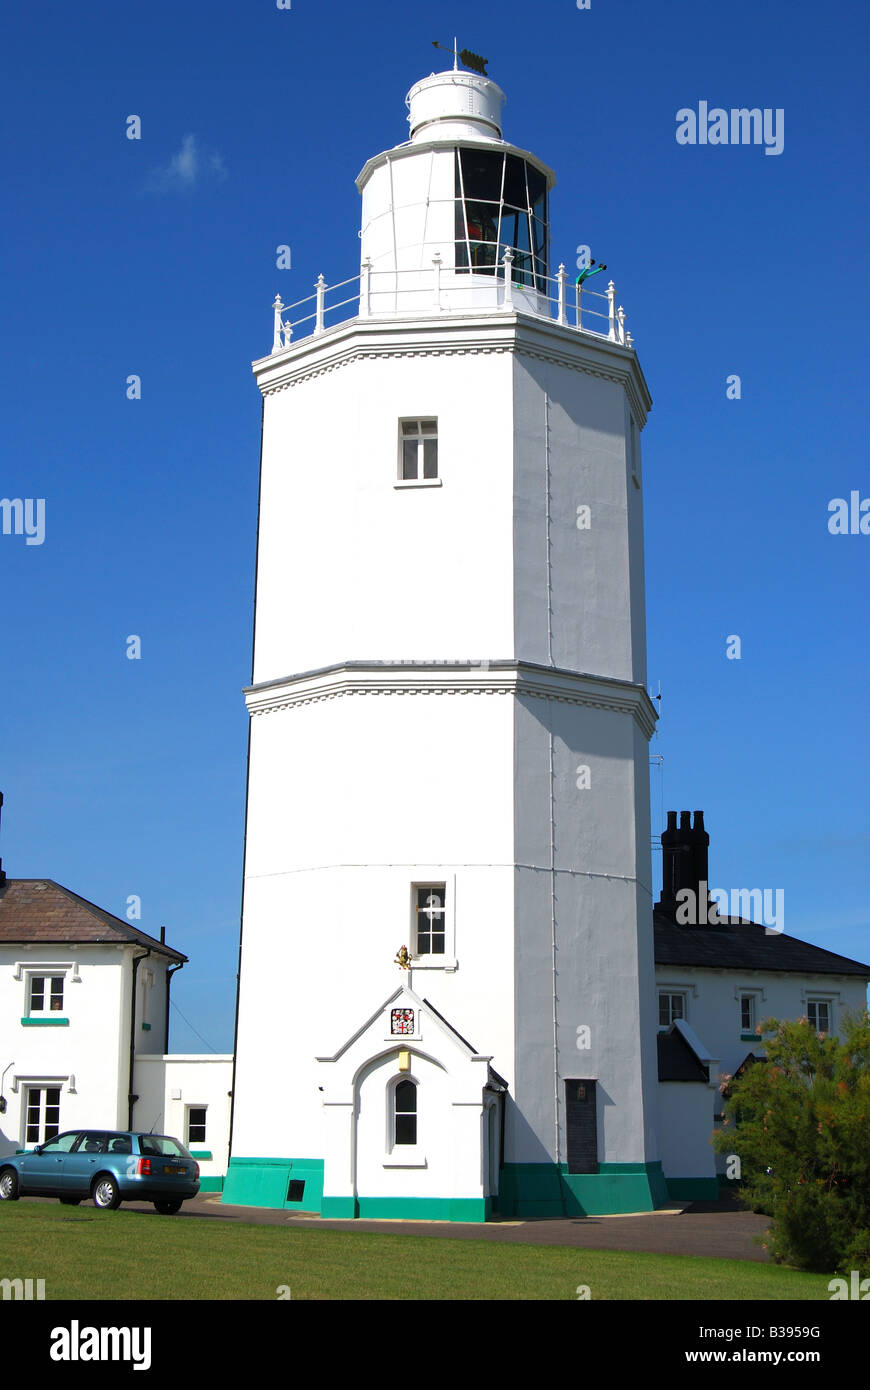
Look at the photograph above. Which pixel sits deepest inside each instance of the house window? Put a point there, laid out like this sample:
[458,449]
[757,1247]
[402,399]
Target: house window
[42,1114]
[405,1113]
[671,1006]
[418,450]
[747,1013]
[430,925]
[46,994]
[196,1124]
[819,1015]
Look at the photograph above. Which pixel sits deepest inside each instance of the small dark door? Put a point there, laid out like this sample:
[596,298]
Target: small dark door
[581,1126]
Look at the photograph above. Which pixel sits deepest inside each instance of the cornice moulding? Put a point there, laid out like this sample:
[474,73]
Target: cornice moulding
[519,679]
[455,334]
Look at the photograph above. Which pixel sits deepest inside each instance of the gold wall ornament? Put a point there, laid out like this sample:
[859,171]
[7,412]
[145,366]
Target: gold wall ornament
[403,958]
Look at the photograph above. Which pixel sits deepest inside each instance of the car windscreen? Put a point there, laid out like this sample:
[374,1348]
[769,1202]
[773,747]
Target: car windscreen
[161,1144]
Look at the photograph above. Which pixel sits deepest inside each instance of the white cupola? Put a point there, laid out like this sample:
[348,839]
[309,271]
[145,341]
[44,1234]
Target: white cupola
[455,105]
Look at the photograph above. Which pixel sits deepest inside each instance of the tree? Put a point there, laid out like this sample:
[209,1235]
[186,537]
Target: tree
[800,1122]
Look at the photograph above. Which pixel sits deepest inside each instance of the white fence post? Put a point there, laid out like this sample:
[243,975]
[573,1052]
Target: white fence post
[620,314]
[321,291]
[365,298]
[508,301]
[561,277]
[436,268]
[611,311]
[276,337]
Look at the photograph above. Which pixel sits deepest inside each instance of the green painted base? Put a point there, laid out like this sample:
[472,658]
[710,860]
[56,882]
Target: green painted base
[265,1182]
[211,1184]
[540,1190]
[424,1208]
[693,1189]
[407,1208]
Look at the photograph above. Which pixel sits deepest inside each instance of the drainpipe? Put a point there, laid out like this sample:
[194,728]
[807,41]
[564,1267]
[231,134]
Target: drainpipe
[553,950]
[131,1099]
[169,974]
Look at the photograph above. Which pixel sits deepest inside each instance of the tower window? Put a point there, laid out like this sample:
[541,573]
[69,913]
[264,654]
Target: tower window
[747,1013]
[418,450]
[430,924]
[405,1113]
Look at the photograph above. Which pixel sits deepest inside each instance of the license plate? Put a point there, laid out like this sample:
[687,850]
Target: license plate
[168,1168]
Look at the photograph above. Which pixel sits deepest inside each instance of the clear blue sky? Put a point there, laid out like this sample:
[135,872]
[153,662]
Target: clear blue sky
[157,257]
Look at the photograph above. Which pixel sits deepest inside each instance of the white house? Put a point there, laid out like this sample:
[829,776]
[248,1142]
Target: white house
[84,1026]
[721,976]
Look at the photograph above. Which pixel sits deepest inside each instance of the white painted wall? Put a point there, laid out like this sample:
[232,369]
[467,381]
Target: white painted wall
[170,1084]
[713,1002]
[89,1058]
[685,1127]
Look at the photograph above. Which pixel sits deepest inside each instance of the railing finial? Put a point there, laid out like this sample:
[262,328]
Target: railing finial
[561,278]
[508,260]
[611,311]
[320,286]
[276,335]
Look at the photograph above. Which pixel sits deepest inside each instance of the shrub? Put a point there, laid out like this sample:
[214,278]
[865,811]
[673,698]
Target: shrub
[800,1122]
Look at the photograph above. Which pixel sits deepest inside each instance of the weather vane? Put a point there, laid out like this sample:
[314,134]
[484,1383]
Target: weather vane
[465,56]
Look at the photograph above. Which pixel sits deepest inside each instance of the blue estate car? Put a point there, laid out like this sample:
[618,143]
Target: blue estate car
[111,1166]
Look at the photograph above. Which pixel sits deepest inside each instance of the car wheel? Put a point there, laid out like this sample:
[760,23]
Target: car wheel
[170,1207]
[106,1192]
[8,1185]
[70,1201]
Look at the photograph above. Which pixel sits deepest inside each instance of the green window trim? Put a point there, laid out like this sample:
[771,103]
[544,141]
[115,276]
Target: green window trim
[200,1153]
[146,1027]
[45,1022]
[750,1037]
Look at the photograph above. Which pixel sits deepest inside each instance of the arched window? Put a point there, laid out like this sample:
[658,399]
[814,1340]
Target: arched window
[405,1113]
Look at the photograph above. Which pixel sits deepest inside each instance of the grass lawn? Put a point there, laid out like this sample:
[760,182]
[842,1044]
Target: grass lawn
[83,1253]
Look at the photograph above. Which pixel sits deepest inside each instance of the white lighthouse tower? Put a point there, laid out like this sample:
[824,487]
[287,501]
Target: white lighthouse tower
[446,979]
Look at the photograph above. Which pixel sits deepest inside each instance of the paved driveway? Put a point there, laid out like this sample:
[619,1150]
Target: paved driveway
[721,1229]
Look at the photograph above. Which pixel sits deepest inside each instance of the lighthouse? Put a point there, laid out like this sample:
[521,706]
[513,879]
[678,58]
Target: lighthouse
[446,969]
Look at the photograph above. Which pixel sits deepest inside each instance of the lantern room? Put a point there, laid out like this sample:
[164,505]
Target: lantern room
[458,197]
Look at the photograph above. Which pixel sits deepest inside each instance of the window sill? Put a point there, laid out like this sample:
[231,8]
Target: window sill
[433,963]
[750,1037]
[45,1022]
[418,482]
[410,1162]
[200,1153]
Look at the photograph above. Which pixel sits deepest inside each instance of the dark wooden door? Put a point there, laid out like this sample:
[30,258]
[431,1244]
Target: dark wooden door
[581,1126]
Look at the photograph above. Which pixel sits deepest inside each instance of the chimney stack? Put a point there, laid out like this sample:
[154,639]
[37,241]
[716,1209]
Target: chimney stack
[684,863]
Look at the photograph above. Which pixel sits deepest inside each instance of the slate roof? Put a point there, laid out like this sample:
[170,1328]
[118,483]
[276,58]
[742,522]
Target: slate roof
[737,944]
[38,909]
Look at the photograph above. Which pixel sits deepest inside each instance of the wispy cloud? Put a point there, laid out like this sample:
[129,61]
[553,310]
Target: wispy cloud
[190,168]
